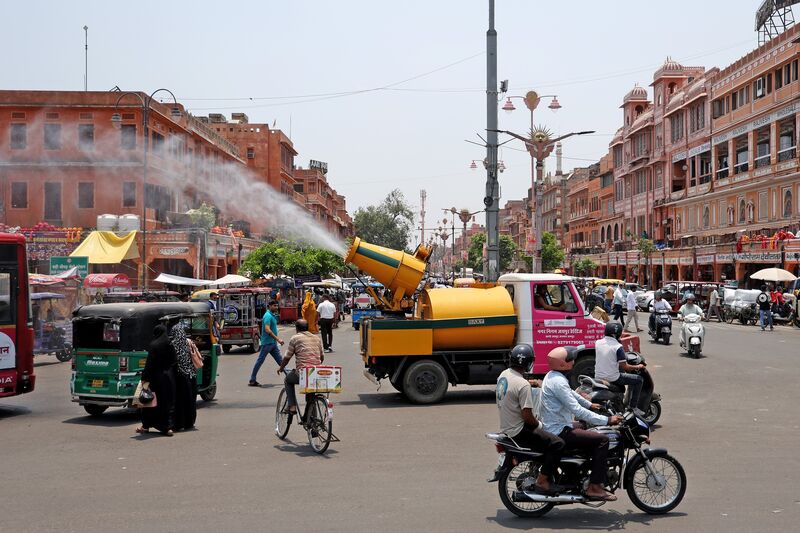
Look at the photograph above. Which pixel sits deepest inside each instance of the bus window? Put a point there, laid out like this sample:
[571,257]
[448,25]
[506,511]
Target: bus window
[6,297]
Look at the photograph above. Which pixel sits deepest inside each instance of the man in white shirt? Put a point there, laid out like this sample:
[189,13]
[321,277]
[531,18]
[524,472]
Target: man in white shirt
[326,311]
[610,359]
[620,295]
[630,304]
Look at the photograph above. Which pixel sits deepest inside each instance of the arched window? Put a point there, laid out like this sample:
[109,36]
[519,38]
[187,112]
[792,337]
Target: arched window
[787,203]
[672,88]
[742,213]
[639,110]
[751,211]
[608,232]
[705,216]
[678,223]
[602,234]
[731,215]
[616,232]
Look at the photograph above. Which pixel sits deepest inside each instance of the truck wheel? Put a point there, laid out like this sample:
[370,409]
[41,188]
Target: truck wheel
[584,366]
[425,382]
[95,410]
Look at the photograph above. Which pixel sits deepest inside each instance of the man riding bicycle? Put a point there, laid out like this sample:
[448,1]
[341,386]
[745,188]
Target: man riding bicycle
[308,349]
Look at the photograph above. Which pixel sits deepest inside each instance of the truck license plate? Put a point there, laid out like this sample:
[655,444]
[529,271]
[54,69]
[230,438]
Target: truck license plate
[97,383]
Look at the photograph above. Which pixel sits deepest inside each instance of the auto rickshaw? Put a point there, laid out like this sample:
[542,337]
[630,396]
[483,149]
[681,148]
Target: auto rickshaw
[240,313]
[111,342]
[50,330]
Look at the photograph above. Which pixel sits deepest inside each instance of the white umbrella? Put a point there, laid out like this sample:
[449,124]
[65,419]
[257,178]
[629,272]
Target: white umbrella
[774,274]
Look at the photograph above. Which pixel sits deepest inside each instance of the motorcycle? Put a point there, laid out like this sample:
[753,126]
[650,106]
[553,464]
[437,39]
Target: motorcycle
[654,480]
[663,326]
[614,398]
[784,314]
[692,335]
[52,339]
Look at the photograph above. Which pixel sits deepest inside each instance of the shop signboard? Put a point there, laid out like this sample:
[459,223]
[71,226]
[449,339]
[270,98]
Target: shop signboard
[60,264]
[686,260]
[706,259]
[309,278]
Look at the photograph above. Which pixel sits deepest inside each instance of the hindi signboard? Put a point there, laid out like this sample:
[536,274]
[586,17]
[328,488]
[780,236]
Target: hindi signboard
[59,264]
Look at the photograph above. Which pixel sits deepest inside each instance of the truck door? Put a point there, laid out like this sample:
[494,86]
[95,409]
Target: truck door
[558,319]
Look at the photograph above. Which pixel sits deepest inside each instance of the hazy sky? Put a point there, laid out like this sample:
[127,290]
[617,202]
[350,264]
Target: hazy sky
[217,56]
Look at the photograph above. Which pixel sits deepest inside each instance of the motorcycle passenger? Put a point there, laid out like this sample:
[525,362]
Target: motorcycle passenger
[515,405]
[660,304]
[561,405]
[689,308]
[765,308]
[610,359]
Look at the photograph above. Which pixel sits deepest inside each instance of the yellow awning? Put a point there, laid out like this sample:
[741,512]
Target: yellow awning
[105,247]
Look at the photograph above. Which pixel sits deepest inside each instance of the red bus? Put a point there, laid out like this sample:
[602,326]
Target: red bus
[16,329]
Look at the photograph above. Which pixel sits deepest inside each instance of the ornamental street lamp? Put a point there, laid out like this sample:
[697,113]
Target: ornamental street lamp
[540,145]
[465,216]
[116,119]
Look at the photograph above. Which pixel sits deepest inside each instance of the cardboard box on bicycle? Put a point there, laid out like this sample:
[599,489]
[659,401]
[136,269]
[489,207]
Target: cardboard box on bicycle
[320,379]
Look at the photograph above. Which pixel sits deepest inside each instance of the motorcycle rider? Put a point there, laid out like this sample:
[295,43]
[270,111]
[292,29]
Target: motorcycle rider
[610,359]
[515,405]
[660,304]
[689,308]
[561,405]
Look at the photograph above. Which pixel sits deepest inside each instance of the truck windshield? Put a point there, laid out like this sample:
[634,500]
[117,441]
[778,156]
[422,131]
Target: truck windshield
[555,297]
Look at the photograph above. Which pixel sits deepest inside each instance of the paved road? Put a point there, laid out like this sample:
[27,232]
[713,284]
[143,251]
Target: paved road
[730,418]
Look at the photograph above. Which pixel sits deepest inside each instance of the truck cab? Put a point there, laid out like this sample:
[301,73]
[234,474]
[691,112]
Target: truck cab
[550,313]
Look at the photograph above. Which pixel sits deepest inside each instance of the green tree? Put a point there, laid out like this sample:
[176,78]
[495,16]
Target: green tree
[507,250]
[552,253]
[387,224]
[284,257]
[583,267]
[646,249]
[204,216]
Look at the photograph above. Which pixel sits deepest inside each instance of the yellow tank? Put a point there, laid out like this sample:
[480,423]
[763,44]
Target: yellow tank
[397,271]
[469,318]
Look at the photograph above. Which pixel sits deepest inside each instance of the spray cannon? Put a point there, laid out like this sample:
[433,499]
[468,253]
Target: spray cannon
[398,271]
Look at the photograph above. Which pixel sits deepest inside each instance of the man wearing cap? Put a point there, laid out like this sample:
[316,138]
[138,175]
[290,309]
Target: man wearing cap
[561,406]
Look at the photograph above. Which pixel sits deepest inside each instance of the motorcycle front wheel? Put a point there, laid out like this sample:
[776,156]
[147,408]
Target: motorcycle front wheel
[661,490]
[521,477]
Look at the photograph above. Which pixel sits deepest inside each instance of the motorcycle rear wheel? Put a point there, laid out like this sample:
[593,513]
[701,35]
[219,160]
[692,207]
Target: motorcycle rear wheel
[666,336]
[653,413]
[520,477]
[647,496]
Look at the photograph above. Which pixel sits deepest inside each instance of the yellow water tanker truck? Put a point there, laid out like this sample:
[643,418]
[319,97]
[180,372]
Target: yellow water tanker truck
[430,338]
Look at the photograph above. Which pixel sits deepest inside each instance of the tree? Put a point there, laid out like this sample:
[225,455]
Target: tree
[204,216]
[387,224]
[552,253]
[584,267]
[507,250]
[646,249]
[284,257]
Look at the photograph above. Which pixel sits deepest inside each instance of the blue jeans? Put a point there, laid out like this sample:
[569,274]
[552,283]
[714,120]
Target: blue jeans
[635,382]
[765,313]
[272,349]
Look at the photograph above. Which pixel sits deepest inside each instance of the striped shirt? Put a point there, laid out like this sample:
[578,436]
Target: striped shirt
[307,348]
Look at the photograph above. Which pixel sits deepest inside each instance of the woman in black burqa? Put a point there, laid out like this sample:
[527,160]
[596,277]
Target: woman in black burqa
[160,372]
[185,380]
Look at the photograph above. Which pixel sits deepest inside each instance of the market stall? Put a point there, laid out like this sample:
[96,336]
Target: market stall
[97,285]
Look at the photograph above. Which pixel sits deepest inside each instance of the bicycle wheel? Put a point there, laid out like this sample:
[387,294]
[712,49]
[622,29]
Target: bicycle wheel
[283,418]
[319,425]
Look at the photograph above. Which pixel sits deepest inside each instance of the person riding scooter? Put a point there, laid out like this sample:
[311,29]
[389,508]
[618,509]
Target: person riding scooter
[660,304]
[610,359]
[689,308]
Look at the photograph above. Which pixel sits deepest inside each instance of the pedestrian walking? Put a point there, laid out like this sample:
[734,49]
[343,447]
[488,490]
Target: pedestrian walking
[713,305]
[309,313]
[270,343]
[765,308]
[618,302]
[185,380]
[327,311]
[630,304]
[159,375]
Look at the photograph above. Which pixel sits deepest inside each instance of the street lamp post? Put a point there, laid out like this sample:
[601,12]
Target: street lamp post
[464,215]
[443,235]
[117,119]
[539,145]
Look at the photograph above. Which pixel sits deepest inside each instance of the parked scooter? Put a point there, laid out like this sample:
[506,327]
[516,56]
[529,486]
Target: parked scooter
[693,335]
[655,481]
[614,399]
[663,326]
[784,314]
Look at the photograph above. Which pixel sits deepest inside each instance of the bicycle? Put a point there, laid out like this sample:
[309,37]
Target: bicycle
[317,420]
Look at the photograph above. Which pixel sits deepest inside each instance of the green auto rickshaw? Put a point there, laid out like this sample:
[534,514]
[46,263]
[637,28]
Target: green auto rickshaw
[110,344]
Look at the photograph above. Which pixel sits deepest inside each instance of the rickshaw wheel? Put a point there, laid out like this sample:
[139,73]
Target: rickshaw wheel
[226,348]
[94,409]
[64,355]
[209,394]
